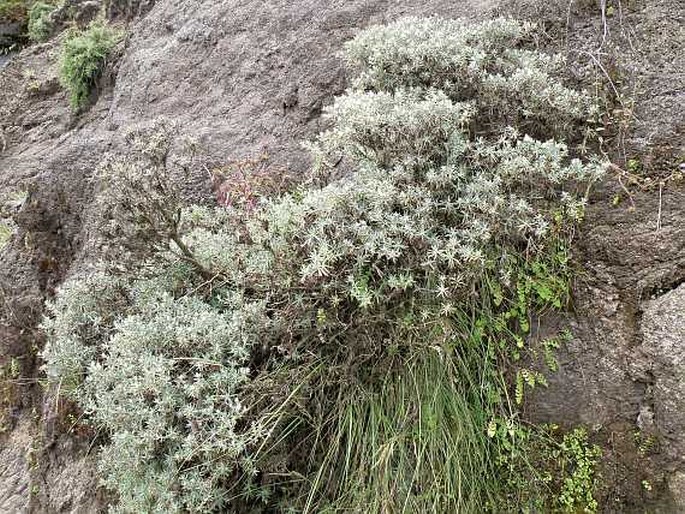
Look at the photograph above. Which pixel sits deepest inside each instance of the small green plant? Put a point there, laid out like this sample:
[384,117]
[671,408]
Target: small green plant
[646,443]
[82,59]
[635,166]
[39,23]
[546,471]
[578,460]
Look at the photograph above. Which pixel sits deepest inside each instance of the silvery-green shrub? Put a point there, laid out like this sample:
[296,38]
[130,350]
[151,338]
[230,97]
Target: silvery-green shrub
[445,181]
[482,63]
[159,374]
[78,322]
[166,390]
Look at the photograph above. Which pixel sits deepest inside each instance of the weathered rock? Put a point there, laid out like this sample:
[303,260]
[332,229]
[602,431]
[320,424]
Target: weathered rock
[676,485]
[14,469]
[10,34]
[663,327]
[69,12]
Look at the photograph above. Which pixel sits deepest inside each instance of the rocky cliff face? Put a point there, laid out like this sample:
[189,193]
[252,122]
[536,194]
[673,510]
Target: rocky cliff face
[244,78]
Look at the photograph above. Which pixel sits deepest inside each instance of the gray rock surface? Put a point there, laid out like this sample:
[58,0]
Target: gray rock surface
[15,477]
[5,58]
[663,327]
[10,34]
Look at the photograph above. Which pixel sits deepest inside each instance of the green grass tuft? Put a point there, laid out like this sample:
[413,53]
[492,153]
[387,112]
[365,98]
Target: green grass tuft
[415,443]
[39,24]
[82,59]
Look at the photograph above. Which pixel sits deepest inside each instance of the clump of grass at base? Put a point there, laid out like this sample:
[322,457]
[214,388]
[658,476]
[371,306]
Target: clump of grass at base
[82,59]
[39,24]
[414,442]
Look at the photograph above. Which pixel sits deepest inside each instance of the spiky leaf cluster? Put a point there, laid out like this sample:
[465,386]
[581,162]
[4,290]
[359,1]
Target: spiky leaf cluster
[166,389]
[485,63]
[159,374]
